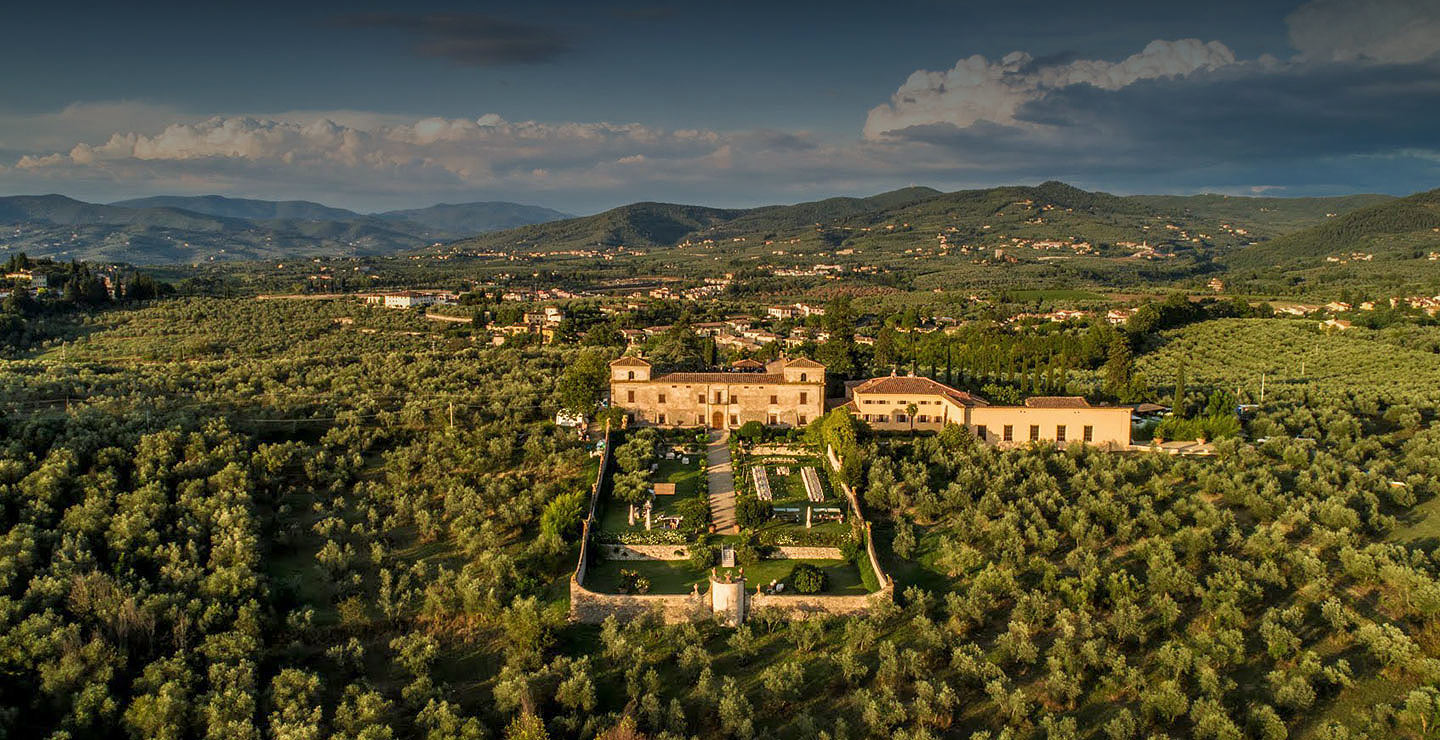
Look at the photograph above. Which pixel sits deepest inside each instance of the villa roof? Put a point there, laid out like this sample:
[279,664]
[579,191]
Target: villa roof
[912,385]
[629,361]
[804,362]
[749,363]
[750,378]
[1056,402]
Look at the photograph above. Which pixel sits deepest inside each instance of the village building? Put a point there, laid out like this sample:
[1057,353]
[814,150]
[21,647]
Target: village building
[403,299]
[781,393]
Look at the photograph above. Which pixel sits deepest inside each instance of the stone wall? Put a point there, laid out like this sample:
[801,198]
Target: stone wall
[797,552]
[612,551]
[779,449]
[589,607]
[797,607]
[887,586]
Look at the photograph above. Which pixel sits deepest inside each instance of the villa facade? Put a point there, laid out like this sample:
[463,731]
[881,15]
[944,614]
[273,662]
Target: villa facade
[792,393]
[886,403]
[781,393]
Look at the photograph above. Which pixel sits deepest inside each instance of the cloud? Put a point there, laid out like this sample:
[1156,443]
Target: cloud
[469,39]
[1393,31]
[977,89]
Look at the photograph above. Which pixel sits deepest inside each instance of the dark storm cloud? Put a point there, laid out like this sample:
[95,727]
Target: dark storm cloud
[468,38]
[1293,112]
[1233,122]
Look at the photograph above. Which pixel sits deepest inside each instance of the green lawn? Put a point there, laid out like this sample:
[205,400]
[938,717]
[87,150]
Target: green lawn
[687,480]
[677,577]
[1421,523]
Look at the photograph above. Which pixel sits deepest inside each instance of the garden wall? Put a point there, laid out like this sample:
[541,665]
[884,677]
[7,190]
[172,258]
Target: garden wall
[579,576]
[886,585]
[611,551]
[798,552]
[589,607]
[798,607]
[778,449]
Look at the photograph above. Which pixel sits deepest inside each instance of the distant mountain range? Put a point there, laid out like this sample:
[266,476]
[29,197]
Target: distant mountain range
[1244,231]
[181,229]
[904,219]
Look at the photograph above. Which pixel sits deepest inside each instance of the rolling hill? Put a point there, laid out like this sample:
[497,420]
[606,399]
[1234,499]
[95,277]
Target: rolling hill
[185,229]
[463,219]
[903,220]
[254,210]
[1404,228]
[636,225]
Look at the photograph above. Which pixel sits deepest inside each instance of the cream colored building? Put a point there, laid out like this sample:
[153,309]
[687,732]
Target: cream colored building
[784,393]
[885,403]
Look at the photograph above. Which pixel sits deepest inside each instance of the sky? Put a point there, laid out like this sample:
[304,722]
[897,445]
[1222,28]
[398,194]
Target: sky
[582,106]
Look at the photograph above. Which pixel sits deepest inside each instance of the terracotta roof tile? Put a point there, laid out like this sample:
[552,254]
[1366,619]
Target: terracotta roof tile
[629,360]
[752,378]
[907,384]
[1056,402]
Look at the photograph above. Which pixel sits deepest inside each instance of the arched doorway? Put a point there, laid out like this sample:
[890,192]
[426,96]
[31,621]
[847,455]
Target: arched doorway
[718,420]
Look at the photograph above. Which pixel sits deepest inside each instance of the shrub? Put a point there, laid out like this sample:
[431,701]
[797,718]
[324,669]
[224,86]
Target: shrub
[751,512]
[807,578]
[751,431]
[703,556]
[632,582]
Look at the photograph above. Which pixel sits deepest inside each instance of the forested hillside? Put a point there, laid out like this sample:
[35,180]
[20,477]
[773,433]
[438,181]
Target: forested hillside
[905,220]
[1403,229]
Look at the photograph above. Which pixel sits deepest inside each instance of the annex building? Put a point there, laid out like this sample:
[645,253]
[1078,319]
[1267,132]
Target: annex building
[887,403]
[780,393]
[792,393]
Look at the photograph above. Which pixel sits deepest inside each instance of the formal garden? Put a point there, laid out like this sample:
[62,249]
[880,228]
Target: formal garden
[657,491]
[778,495]
[789,500]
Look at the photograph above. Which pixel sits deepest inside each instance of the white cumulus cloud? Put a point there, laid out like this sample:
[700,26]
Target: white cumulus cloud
[976,89]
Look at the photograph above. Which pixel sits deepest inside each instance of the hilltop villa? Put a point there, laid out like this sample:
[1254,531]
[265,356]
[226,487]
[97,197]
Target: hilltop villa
[792,393]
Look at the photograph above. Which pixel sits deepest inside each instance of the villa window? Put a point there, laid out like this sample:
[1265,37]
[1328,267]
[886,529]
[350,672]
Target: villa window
[630,396]
[1034,432]
[1089,433]
[732,398]
[804,397]
[773,420]
[980,432]
[899,418]
[700,398]
[774,400]
[802,419]
[1008,433]
[734,420]
[630,375]
[662,398]
[718,396]
[660,419]
[922,418]
[803,377]
[1060,433]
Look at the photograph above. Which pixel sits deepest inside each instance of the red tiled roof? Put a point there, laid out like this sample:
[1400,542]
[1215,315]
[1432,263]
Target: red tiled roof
[804,362]
[910,385]
[751,378]
[629,360]
[1056,402]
